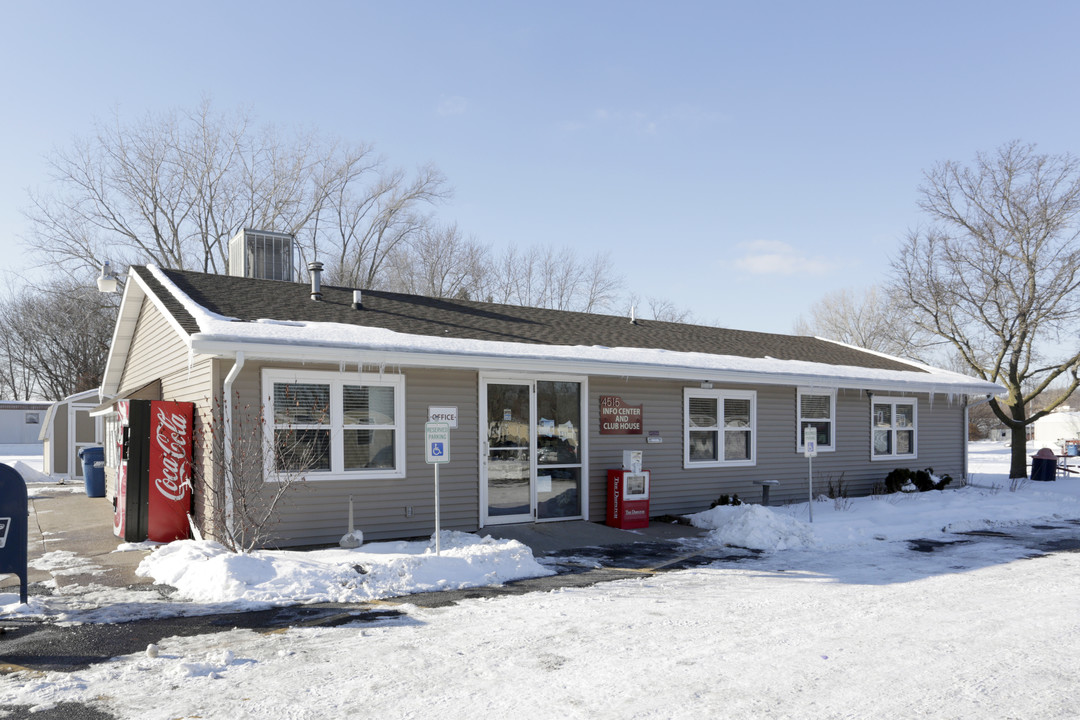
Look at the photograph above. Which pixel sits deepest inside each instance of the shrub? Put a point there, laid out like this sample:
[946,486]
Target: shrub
[836,487]
[726,500]
[923,480]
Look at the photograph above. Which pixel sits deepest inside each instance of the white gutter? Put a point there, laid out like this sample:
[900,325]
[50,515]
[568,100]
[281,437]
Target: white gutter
[227,439]
[419,358]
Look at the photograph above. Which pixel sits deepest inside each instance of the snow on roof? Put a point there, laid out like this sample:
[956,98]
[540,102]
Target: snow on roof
[224,336]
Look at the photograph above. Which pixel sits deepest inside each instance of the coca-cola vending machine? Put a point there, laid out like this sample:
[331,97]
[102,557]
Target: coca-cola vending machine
[153,482]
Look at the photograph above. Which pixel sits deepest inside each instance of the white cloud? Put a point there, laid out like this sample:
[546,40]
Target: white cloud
[453,105]
[771,257]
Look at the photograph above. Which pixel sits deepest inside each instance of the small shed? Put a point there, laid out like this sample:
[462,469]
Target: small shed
[20,421]
[1054,429]
[66,429]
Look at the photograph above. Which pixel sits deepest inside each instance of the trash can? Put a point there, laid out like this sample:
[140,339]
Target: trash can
[1044,465]
[93,460]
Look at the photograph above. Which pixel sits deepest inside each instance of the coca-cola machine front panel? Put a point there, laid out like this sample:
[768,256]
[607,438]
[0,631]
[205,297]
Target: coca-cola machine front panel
[170,470]
[154,478]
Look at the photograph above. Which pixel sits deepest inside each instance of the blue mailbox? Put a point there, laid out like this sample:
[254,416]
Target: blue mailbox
[13,521]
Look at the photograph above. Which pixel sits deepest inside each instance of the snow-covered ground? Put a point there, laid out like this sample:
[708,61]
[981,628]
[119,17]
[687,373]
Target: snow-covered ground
[838,618]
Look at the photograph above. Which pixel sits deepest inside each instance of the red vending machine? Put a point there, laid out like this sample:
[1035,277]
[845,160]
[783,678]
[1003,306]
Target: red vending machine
[153,496]
[628,494]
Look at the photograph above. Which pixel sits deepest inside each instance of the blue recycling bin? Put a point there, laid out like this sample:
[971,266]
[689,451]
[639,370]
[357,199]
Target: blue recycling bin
[93,460]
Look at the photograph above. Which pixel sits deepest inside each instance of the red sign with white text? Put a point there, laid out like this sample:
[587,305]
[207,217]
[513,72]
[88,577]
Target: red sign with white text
[170,470]
[618,418]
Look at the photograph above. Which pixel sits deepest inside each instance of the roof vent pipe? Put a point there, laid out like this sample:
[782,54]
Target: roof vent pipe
[315,269]
[357,300]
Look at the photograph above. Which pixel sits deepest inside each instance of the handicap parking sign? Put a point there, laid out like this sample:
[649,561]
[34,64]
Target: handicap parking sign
[437,442]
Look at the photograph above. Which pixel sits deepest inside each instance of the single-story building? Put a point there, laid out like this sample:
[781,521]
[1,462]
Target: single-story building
[20,421]
[68,428]
[542,403]
[1054,429]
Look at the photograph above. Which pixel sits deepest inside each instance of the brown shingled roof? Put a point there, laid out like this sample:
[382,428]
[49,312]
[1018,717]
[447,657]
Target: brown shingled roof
[247,299]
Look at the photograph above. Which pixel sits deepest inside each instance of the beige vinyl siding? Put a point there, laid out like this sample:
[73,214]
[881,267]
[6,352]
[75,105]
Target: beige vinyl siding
[157,352]
[59,449]
[316,512]
[678,490]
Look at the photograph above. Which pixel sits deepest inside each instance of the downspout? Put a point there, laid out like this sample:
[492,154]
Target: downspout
[967,431]
[227,439]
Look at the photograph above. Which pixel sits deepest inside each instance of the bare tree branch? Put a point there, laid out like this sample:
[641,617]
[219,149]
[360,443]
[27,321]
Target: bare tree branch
[997,275]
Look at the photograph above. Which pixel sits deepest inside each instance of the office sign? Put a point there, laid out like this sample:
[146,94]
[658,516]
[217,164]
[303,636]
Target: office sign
[448,415]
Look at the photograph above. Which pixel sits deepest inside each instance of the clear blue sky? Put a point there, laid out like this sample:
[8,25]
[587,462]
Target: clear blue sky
[738,158]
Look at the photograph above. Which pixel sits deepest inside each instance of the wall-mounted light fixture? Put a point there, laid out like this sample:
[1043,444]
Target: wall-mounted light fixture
[108,280]
[706,385]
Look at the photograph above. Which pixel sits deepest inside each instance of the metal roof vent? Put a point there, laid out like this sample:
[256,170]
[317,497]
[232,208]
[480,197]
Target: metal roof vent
[315,270]
[261,254]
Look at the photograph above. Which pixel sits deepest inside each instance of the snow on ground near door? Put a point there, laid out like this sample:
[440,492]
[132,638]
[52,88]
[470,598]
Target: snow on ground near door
[843,625]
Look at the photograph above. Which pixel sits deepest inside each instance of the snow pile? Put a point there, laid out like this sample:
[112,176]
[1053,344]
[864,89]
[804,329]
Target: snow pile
[755,527]
[64,562]
[990,501]
[29,473]
[205,572]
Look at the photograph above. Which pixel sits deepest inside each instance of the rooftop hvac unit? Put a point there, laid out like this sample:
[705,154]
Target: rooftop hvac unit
[261,254]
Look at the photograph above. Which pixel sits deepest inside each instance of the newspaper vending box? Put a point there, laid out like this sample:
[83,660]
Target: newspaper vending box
[628,494]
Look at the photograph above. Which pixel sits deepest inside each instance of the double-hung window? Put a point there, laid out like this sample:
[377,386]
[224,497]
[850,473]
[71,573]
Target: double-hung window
[893,427]
[817,409]
[330,425]
[720,427]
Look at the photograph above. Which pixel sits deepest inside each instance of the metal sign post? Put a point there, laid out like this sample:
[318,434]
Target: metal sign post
[810,452]
[437,452]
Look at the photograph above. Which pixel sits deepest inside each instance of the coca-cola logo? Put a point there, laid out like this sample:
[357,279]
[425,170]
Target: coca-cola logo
[172,439]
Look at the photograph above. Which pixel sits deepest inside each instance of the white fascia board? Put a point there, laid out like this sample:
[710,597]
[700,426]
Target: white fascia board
[135,292]
[123,333]
[208,345]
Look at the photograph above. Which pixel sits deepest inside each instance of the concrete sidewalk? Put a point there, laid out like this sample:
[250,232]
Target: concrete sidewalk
[63,518]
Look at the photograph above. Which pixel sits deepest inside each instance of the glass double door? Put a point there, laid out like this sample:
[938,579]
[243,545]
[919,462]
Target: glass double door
[532,433]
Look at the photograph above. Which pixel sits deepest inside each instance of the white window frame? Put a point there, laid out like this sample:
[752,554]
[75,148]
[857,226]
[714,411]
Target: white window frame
[720,395]
[336,382]
[892,402]
[799,419]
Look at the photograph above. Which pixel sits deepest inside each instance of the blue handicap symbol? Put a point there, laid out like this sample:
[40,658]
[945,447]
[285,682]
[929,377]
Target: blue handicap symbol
[436,449]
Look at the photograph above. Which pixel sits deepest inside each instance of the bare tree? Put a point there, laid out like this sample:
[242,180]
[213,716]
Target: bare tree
[56,338]
[242,489]
[667,311]
[555,279]
[996,274]
[660,309]
[371,223]
[870,320]
[439,262]
[172,189]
